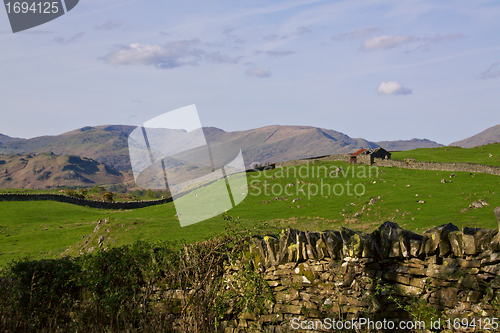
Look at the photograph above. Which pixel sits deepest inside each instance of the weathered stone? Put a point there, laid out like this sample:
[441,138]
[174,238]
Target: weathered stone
[301,247]
[293,309]
[288,238]
[352,244]
[440,271]
[495,283]
[420,283]
[287,296]
[477,239]
[469,282]
[492,269]
[495,243]
[397,278]
[446,293]
[474,296]
[273,283]
[415,247]
[321,249]
[247,316]
[456,242]
[386,235]
[404,290]
[412,270]
[333,243]
[272,250]
[469,244]
[469,263]
[436,240]
[312,238]
[275,317]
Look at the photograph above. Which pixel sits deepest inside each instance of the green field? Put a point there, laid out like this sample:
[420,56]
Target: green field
[50,229]
[480,155]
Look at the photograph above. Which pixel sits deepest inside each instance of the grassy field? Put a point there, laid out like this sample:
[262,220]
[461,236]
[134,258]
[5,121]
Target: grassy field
[416,199]
[479,154]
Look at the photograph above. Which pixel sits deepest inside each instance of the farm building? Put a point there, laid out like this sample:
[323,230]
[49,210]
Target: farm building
[367,156]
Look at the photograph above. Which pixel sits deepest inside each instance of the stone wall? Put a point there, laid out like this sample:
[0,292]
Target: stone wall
[410,164]
[349,274]
[466,167]
[82,202]
[334,157]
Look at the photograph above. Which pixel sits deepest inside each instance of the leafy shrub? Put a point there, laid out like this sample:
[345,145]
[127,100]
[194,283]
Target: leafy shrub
[108,196]
[41,293]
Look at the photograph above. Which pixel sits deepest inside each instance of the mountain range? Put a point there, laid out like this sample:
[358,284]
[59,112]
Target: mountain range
[100,154]
[109,144]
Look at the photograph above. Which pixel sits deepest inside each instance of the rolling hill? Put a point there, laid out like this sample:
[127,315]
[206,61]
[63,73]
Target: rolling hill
[48,170]
[105,144]
[402,145]
[6,139]
[490,135]
[109,144]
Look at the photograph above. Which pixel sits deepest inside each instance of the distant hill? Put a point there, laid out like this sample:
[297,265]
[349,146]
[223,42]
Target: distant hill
[46,169]
[282,143]
[402,145]
[105,144]
[5,139]
[109,144]
[490,135]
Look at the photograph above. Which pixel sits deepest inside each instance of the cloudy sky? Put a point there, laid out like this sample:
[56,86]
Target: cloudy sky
[380,70]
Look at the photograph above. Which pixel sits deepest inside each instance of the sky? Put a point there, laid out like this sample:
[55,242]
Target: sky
[378,70]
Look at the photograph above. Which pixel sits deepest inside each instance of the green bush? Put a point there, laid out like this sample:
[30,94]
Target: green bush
[41,293]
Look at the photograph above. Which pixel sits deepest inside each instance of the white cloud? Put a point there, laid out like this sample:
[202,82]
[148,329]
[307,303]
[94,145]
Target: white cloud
[389,42]
[170,55]
[73,39]
[393,88]
[492,72]
[109,25]
[356,34]
[385,42]
[258,72]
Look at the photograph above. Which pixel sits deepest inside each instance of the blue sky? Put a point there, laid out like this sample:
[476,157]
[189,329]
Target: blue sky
[380,70]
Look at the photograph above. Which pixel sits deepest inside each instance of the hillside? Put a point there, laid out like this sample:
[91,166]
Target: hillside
[48,170]
[490,135]
[105,144]
[109,144]
[487,154]
[283,143]
[6,139]
[415,199]
[402,145]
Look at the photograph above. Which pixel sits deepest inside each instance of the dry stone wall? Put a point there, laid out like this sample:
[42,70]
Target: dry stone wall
[350,274]
[466,167]
[410,164]
[82,202]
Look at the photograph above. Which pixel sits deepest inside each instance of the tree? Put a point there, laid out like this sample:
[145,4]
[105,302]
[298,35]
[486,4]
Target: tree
[108,196]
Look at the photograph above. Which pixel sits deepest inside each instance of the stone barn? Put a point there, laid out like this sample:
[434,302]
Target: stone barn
[368,156]
[360,157]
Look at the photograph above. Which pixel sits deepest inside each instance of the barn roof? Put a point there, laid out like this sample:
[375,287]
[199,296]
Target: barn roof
[359,152]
